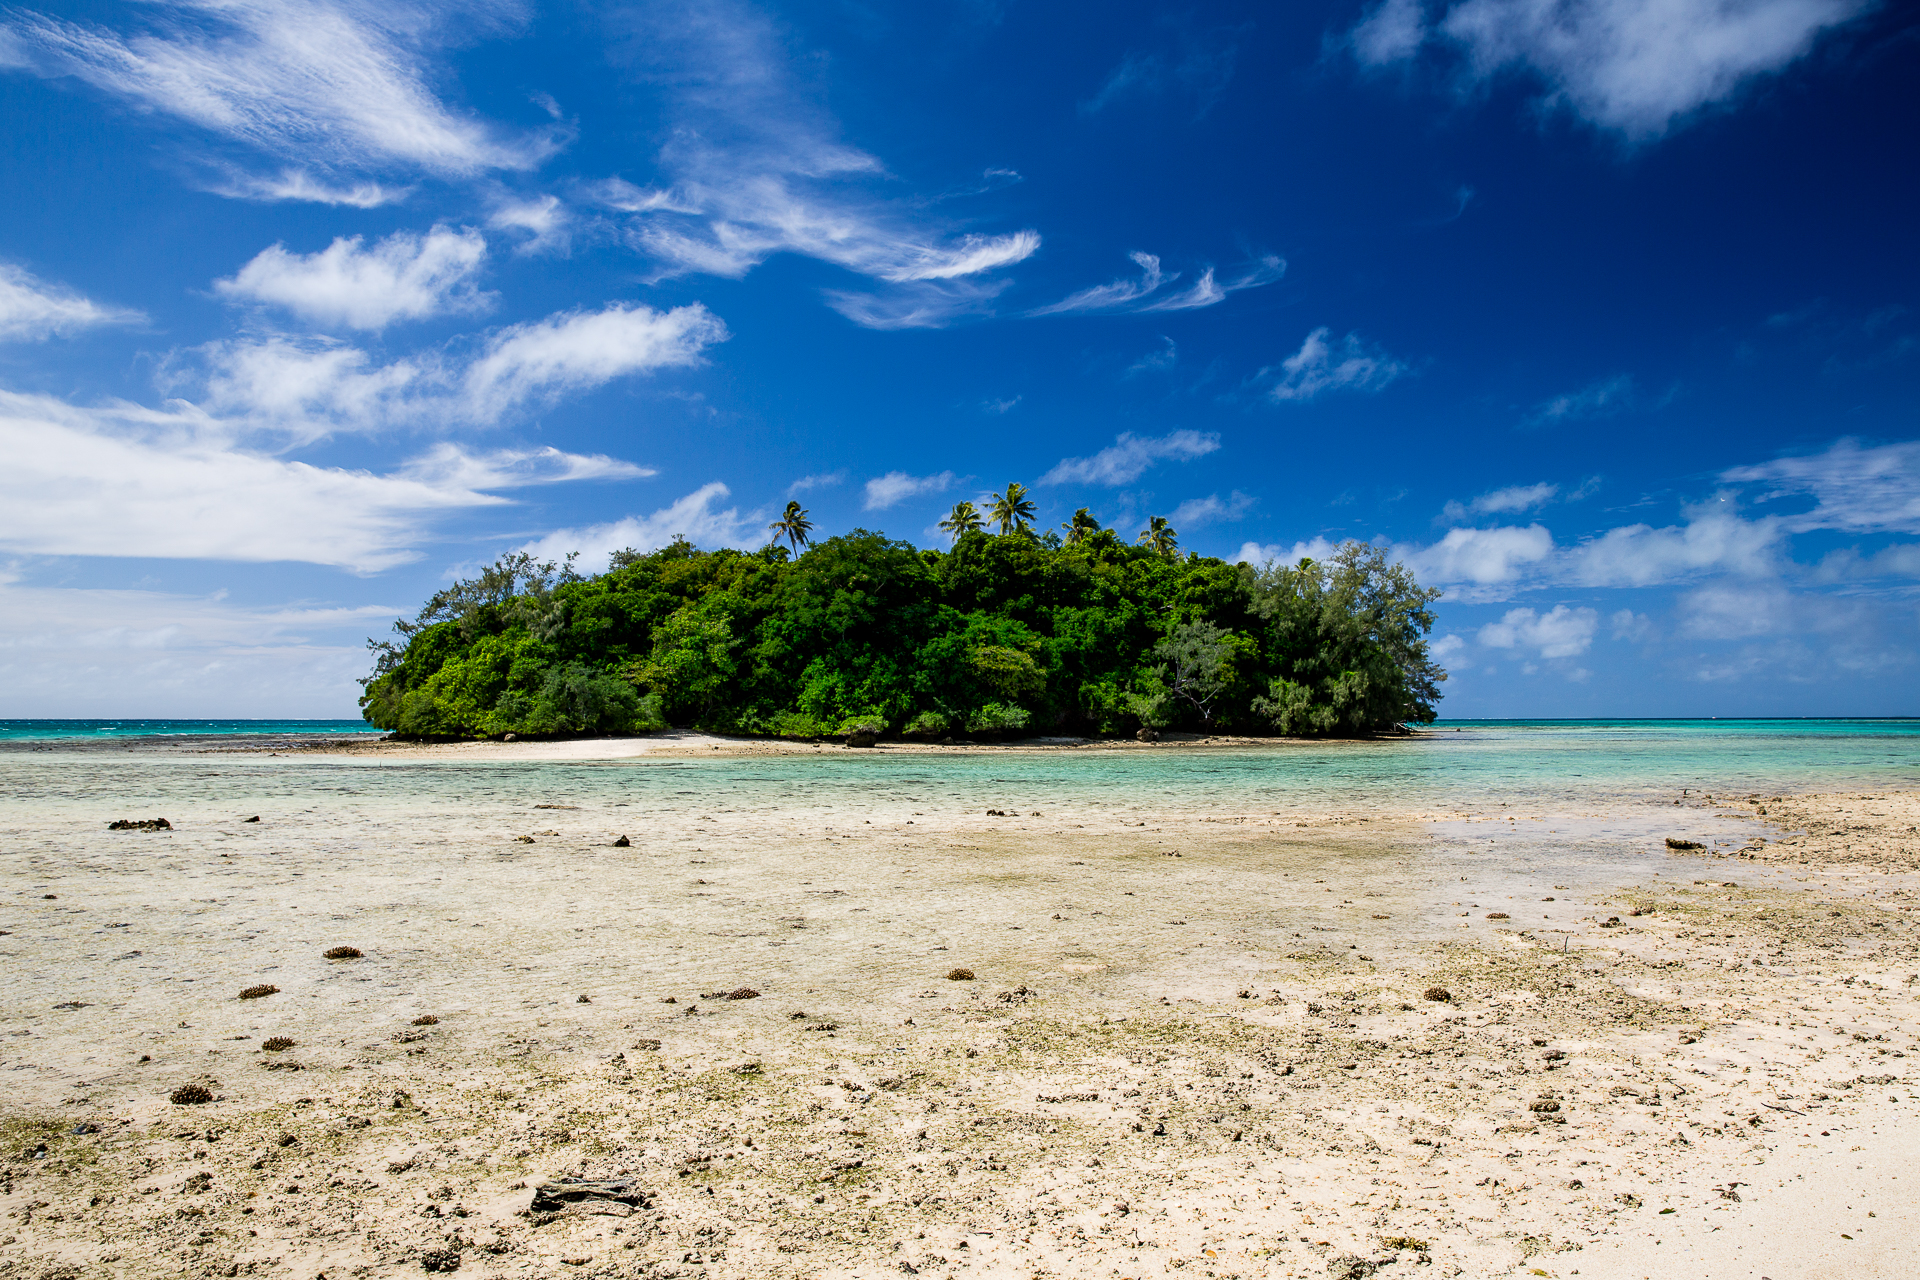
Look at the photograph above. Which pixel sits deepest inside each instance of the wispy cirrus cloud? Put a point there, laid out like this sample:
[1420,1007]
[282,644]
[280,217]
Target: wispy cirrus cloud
[1596,400]
[756,166]
[1855,488]
[895,487]
[1637,67]
[32,310]
[1145,292]
[1322,365]
[1513,498]
[1129,457]
[1197,65]
[403,277]
[339,86]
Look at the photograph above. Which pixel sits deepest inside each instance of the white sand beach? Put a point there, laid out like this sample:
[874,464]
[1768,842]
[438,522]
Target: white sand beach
[876,1043]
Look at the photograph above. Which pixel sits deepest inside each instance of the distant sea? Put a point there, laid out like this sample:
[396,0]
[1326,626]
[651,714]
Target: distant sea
[50,730]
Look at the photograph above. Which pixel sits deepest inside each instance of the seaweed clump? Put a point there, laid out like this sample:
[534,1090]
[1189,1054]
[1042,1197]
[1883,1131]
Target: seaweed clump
[259,991]
[342,953]
[190,1095]
[274,1044]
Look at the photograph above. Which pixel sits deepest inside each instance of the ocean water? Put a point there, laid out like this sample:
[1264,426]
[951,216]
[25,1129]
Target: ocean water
[64,730]
[1563,767]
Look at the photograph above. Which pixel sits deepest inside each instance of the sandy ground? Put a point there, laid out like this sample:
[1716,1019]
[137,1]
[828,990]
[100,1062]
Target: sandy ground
[684,743]
[1209,1047]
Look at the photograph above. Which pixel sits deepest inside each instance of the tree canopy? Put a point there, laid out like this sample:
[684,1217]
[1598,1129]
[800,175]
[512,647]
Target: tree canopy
[1002,634]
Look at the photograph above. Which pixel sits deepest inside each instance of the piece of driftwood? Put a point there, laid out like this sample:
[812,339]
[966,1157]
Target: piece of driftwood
[588,1195]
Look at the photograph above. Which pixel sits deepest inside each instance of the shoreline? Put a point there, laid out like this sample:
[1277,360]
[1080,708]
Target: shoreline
[1199,1047]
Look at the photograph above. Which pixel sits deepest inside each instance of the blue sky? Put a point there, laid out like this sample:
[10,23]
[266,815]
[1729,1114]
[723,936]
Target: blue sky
[1601,313]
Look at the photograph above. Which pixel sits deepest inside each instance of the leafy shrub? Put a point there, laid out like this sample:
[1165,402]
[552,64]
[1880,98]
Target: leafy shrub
[998,718]
[928,725]
[871,726]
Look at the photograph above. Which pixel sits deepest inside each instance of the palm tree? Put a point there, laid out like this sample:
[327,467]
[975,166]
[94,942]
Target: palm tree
[793,526]
[1160,536]
[1081,527]
[964,519]
[1011,510]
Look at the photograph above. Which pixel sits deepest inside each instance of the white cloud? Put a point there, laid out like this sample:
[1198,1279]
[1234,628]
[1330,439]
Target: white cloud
[1634,66]
[1258,554]
[1519,497]
[299,185]
[1318,366]
[1901,560]
[1601,399]
[821,481]
[312,387]
[1392,32]
[336,85]
[32,310]
[1634,628]
[1445,647]
[1640,555]
[1483,557]
[448,466]
[896,487]
[544,220]
[108,652]
[756,167]
[695,517]
[1212,509]
[1143,294]
[403,277]
[1129,457]
[1559,633]
[1165,358]
[1855,489]
[127,481]
[1005,406]
[578,350]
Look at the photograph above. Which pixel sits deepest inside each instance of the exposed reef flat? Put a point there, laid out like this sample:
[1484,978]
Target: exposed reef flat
[1327,1042]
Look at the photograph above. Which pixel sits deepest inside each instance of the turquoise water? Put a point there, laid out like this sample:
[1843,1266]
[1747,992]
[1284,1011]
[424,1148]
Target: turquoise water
[56,730]
[1560,766]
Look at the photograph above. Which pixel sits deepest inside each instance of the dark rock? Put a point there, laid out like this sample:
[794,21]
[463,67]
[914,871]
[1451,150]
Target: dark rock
[1148,735]
[1683,844]
[448,1258]
[341,953]
[254,818]
[863,737]
[623,843]
[523,839]
[259,991]
[85,1126]
[553,1197]
[140,824]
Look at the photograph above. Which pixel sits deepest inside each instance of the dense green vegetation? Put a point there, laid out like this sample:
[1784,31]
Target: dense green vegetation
[1005,634]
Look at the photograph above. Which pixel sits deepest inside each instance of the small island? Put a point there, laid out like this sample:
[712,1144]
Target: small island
[861,636]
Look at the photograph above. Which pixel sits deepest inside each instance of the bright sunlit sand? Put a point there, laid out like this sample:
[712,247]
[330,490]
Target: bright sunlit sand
[833,1017]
